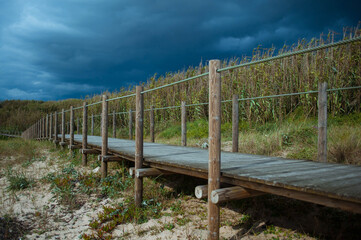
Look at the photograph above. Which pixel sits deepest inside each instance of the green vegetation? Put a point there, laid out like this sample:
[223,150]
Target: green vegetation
[295,137]
[17,180]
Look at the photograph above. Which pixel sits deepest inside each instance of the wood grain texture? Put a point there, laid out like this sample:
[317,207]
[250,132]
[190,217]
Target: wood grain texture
[104,165]
[138,185]
[235,123]
[332,185]
[149,172]
[232,193]
[114,125]
[92,125]
[51,127]
[322,122]
[130,124]
[62,125]
[71,126]
[214,164]
[151,123]
[84,156]
[201,191]
[56,127]
[184,123]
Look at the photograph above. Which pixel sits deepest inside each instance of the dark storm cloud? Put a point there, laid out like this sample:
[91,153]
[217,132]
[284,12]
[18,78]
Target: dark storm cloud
[59,49]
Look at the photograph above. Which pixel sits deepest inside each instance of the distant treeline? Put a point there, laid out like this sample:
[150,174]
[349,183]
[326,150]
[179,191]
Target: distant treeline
[339,66]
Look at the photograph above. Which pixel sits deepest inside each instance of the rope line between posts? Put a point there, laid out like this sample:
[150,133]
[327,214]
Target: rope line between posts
[292,54]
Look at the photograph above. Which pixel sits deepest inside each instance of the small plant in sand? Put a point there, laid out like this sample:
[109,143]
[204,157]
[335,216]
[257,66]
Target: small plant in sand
[17,180]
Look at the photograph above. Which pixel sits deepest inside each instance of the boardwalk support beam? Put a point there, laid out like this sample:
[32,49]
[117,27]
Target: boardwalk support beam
[89,151]
[104,164]
[149,172]
[139,145]
[232,193]
[214,163]
[201,191]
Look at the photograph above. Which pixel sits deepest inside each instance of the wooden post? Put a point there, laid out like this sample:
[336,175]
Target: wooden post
[151,123]
[104,165]
[71,139]
[43,131]
[322,122]
[184,123]
[130,125]
[235,123]
[51,127]
[55,127]
[62,125]
[85,133]
[47,126]
[214,163]
[114,125]
[77,125]
[139,145]
[92,126]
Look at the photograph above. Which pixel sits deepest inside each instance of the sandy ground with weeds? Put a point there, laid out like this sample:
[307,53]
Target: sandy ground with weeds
[45,218]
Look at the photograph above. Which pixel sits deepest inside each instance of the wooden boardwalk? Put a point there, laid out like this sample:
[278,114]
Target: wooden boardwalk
[329,184]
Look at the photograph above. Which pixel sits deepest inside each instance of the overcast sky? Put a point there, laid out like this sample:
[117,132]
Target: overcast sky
[51,49]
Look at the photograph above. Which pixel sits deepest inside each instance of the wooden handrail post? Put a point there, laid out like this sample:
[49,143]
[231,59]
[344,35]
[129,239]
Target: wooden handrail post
[322,122]
[130,125]
[139,145]
[51,127]
[151,123]
[104,165]
[235,123]
[85,133]
[71,138]
[214,163]
[92,125]
[62,125]
[55,127]
[114,125]
[42,128]
[77,125]
[184,123]
[47,126]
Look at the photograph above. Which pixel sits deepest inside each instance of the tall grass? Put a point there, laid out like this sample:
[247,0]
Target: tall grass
[338,66]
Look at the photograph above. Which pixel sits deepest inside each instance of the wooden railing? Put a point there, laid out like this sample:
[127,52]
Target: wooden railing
[47,128]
